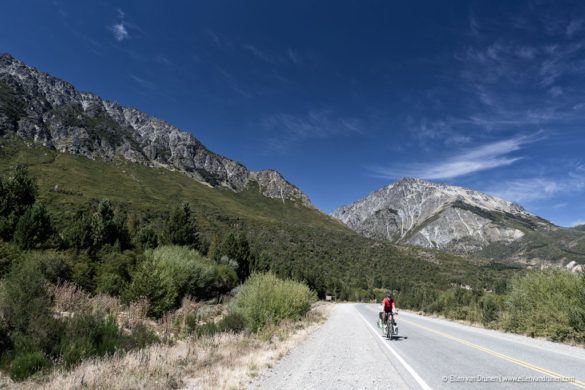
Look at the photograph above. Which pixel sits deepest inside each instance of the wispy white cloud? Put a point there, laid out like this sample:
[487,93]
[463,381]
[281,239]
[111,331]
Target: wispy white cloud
[217,39]
[233,82]
[573,27]
[120,29]
[294,56]
[142,82]
[260,54]
[163,60]
[289,56]
[528,190]
[288,128]
[481,158]
[578,222]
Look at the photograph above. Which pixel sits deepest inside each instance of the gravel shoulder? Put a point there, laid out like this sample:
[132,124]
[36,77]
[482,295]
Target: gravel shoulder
[345,353]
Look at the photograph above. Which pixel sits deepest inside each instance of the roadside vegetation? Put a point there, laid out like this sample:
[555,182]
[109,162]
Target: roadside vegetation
[546,303]
[103,285]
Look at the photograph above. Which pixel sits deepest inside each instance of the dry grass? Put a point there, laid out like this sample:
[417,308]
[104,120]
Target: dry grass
[223,361]
[69,300]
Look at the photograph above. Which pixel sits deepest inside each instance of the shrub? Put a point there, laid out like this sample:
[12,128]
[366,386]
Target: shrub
[577,312]
[87,335]
[140,338]
[541,302]
[146,238]
[24,365]
[169,273]
[114,271]
[25,303]
[236,249]
[34,228]
[9,253]
[94,230]
[181,227]
[17,194]
[265,299]
[490,310]
[151,282]
[232,322]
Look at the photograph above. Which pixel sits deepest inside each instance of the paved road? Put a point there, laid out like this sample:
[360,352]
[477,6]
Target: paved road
[348,352]
[448,355]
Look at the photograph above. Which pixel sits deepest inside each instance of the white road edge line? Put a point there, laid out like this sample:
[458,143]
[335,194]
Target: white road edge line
[416,377]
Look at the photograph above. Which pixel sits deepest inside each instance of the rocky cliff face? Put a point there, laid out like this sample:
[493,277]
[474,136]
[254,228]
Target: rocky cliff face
[432,215]
[42,108]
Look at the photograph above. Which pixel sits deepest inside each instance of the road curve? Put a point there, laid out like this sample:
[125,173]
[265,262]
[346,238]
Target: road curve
[348,352]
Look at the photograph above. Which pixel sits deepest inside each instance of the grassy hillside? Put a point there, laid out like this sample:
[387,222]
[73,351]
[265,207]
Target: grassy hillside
[557,246]
[289,239]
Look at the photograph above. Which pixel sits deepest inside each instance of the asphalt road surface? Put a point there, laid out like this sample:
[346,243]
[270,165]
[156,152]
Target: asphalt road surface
[349,352]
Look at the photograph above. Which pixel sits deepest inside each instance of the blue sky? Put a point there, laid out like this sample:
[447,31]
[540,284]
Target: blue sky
[343,97]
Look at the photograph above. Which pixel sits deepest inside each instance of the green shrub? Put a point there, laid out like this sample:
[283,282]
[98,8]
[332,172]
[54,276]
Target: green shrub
[171,272]
[17,194]
[146,238]
[206,329]
[151,282]
[232,322]
[236,249]
[265,299]
[490,309]
[86,336]
[34,227]
[181,227]
[9,253]
[25,304]
[114,272]
[541,303]
[140,338]
[24,365]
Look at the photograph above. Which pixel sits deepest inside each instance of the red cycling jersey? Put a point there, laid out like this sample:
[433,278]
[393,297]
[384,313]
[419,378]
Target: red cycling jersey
[388,305]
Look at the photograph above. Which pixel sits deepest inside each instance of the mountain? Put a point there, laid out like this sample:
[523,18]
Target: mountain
[455,219]
[51,112]
[81,149]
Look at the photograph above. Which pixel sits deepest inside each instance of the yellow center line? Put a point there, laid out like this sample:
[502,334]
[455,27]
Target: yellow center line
[500,355]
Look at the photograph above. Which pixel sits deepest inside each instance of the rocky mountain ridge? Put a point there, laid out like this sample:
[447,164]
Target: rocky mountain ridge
[432,215]
[39,107]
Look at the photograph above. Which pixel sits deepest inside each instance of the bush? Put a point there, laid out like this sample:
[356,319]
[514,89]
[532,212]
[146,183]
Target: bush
[17,194]
[86,336]
[490,310]
[24,365]
[34,228]
[265,299]
[94,230]
[9,253]
[25,304]
[151,282]
[169,273]
[236,249]
[232,322]
[181,227]
[114,272]
[146,238]
[141,337]
[541,303]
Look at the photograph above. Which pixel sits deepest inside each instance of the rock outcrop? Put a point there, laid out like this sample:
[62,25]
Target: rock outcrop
[431,215]
[49,111]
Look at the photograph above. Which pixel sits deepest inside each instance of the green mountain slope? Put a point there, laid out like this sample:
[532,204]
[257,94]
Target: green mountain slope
[289,238]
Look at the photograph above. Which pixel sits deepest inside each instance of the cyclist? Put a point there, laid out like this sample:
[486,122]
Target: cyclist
[388,308]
